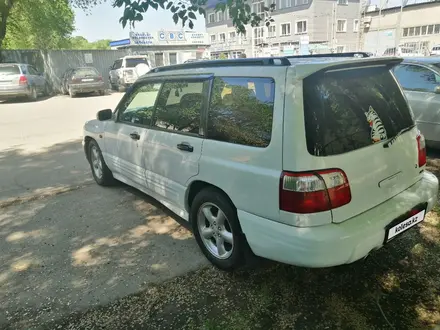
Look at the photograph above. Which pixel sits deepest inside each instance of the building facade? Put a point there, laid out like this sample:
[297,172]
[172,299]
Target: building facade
[299,26]
[416,26]
[166,47]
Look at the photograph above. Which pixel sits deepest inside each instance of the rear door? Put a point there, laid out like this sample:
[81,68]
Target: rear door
[9,75]
[350,112]
[173,147]
[420,84]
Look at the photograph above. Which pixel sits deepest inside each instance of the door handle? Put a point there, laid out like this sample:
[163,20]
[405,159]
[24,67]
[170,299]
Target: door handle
[135,136]
[185,146]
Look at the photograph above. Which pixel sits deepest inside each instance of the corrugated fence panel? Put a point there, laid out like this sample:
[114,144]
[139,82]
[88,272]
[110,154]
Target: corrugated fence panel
[55,62]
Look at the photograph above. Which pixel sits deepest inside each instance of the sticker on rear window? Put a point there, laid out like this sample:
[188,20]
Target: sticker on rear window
[377,130]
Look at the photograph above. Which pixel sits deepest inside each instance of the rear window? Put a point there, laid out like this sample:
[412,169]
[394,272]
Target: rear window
[351,109]
[84,72]
[9,69]
[132,62]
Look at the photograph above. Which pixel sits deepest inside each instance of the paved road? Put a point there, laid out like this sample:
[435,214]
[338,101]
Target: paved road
[71,244]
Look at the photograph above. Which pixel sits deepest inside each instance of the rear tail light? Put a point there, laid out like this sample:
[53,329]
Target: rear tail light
[421,147]
[100,78]
[312,192]
[22,80]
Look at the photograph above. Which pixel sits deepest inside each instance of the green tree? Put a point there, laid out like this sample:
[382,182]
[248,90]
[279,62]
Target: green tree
[184,11]
[80,42]
[39,24]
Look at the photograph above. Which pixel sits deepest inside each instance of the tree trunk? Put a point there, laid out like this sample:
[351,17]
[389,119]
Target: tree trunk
[5,8]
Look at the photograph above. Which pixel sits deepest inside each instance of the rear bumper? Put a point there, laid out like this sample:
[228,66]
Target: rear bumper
[87,87]
[14,91]
[334,244]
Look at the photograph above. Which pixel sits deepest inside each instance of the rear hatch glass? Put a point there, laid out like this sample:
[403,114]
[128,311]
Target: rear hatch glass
[9,74]
[132,62]
[349,116]
[86,72]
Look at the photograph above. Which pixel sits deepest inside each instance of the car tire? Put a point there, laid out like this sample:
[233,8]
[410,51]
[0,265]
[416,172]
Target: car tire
[219,236]
[101,92]
[46,90]
[101,173]
[71,93]
[33,95]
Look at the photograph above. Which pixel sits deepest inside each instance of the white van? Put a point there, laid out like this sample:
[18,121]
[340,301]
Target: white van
[312,163]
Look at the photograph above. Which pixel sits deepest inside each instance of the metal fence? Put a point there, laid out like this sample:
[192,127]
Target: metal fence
[55,62]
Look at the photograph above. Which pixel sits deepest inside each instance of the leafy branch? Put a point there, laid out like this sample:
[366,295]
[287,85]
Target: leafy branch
[185,11]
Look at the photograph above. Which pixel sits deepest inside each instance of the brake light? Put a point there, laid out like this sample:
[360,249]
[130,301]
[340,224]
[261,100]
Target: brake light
[100,78]
[310,192]
[22,80]
[421,147]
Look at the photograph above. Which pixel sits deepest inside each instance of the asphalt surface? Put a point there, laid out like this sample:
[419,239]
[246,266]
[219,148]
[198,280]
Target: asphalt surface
[68,244]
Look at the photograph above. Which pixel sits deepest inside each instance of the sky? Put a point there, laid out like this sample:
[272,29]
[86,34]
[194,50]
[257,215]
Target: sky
[102,22]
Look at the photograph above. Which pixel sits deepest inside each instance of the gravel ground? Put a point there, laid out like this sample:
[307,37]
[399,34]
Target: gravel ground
[398,287]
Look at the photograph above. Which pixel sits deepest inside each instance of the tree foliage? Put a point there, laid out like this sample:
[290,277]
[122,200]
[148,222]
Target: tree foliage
[80,42]
[39,24]
[185,11]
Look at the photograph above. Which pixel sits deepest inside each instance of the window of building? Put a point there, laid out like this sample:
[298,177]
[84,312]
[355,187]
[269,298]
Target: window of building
[158,58]
[356,25]
[437,29]
[138,106]
[342,2]
[430,29]
[424,29]
[341,25]
[232,36]
[285,29]
[236,54]
[259,35]
[417,31]
[301,2]
[173,58]
[411,32]
[272,31]
[340,49]
[405,32]
[179,106]
[220,16]
[301,27]
[222,37]
[241,111]
[211,18]
[258,8]
[212,37]
[417,78]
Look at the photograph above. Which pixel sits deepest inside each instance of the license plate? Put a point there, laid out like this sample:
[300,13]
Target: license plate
[405,224]
[87,79]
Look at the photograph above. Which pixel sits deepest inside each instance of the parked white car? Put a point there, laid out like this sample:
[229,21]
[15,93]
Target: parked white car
[317,172]
[124,71]
[402,52]
[435,51]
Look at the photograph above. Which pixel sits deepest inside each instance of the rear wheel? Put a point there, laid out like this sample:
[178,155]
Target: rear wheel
[101,92]
[46,90]
[101,173]
[71,92]
[217,229]
[33,95]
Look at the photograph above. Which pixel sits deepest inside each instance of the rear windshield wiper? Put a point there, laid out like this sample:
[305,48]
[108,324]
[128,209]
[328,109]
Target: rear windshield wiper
[394,138]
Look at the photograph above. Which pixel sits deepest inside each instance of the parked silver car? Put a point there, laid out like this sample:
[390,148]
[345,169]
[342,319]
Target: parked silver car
[21,80]
[125,71]
[420,80]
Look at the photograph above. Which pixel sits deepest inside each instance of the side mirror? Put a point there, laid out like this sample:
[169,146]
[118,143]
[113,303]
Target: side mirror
[104,115]
[437,90]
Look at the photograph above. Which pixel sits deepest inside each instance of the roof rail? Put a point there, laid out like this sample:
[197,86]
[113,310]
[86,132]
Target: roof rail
[260,61]
[348,54]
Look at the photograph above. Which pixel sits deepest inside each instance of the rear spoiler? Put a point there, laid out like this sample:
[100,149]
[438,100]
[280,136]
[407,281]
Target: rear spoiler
[305,69]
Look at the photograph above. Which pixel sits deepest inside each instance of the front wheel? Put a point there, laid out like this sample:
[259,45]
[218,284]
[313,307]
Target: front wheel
[33,95]
[217,229]
[101,173]
[71,92]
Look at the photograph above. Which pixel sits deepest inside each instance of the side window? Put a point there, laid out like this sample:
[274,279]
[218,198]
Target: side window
[241,110]
[179,106]
[417,78]
[117,64]
[137,108]
[32,70]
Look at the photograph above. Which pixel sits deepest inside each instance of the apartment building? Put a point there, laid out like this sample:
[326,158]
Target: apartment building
[415,26]
[300,26]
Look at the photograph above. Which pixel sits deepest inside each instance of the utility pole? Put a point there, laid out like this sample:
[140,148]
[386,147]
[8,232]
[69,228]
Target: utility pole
[399,21]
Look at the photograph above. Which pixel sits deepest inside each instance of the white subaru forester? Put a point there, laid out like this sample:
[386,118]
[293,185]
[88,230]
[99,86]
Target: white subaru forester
[308,161]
